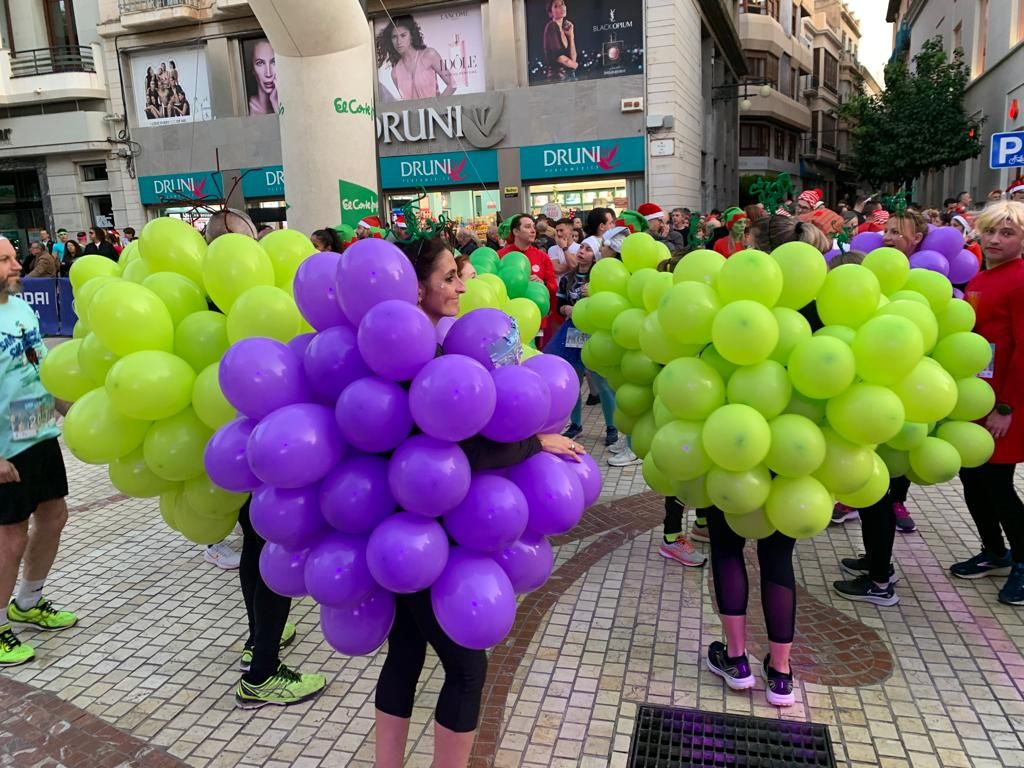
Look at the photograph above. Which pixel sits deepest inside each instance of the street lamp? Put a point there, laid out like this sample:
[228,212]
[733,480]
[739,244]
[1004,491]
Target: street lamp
[743,93]
[745,105]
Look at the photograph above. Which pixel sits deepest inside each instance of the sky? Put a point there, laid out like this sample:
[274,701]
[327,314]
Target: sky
[875,34]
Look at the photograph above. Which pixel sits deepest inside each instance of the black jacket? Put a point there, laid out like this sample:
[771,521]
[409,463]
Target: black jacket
[103,249]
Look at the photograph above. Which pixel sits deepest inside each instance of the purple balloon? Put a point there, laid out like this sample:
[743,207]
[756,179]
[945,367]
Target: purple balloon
[957,293]
[866,242]
[587,471]
[443,326]
[373,414]
[332,362]
[406,553]
[336,573]
[316,290]
[831,255]
[523,404]
[288,516]
[355,495]
[452,397]
[527,562]
[362,627]
[299,343]
[372,271]
[283,570]
[553,491]
[931,260]
[563,386]
[963,267]
[259,375]
[947,241]
[481,334]
[295,446]
[428,476]
[225,458]
[473,600]
[396,339]
[491,517]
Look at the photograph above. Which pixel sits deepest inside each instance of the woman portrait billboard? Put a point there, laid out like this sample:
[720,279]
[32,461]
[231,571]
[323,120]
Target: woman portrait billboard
[260,67]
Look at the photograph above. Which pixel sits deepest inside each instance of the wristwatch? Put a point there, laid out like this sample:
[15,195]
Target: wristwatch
[1004,409]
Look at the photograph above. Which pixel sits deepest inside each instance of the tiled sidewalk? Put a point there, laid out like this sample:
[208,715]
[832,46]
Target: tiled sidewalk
[934,681]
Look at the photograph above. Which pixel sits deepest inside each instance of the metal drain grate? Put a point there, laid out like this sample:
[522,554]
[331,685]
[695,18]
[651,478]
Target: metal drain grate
[669,737]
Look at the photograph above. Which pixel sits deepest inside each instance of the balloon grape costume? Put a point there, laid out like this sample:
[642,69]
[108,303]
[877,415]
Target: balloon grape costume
[142,369]
[349,441]
[732,401]
[505,283]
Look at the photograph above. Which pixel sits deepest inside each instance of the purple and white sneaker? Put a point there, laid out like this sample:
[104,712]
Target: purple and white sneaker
[778,687]
[735,670]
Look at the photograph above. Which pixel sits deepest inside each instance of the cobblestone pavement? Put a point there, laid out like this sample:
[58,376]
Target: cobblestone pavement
[146,678]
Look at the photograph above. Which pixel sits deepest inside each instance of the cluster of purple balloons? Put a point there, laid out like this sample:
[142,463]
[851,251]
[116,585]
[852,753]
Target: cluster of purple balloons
[348,440]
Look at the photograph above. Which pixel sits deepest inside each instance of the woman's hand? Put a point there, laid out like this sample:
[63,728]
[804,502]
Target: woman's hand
[561,446]
[998,424]
[586,289]
[9,472]
[566,310]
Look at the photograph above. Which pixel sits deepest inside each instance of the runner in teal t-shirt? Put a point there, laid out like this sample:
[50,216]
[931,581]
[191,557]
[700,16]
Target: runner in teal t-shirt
[33,481]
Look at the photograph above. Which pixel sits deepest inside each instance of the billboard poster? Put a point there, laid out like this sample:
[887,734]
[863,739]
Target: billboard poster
[259,67]
[170,86]
[577,40]
[429,53]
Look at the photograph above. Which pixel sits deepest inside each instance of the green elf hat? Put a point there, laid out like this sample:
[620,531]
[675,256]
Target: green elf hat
[505,228]
[733,215]
[634,221]
[346,233]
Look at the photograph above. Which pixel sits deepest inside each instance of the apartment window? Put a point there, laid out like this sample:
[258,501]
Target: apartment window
[1019,26]
[794,140]
[761,7]
[763,66]
[958,35]
[6,41]
[829,127]
[831,67]
[780,144]
[60,23]
[796,21]
[94,172]
[754,139]
[981,25]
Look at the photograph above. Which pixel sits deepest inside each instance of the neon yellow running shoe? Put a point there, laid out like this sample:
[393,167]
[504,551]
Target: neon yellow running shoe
[283,688]
[12,651]
[287,637]
[41,616]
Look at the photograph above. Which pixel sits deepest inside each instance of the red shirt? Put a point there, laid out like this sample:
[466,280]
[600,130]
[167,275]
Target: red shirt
[997,296]
[870,226]
[540,266]
[976,250]
[727,246]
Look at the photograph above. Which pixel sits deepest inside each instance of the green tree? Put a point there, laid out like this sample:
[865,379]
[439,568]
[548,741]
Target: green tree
[918,123]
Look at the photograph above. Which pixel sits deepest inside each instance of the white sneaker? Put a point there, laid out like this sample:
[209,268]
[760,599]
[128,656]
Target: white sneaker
[619,445]
[222,556]
[625,459]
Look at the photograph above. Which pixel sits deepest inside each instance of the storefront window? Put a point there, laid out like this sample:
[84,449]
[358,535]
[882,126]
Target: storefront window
[579,195]
[197,217]
[461,206]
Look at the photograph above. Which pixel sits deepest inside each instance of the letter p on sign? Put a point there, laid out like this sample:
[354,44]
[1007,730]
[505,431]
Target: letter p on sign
[1007,150]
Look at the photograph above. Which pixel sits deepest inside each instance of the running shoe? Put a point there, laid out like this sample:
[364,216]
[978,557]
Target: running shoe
[12,651]
[699,533]
[841,513]
[682,552]
[982,565]
[223,556]
[287,637]
[904,522]
[858,566]
[41,616]
[778,688]
[624,459]
[283,688]
[611,436]
[864,590]
[734,670]
[574,431]
[620,445]
[593,399]
[1012,592]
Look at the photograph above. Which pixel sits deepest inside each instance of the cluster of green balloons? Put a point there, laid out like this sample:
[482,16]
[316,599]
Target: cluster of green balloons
[504,283]
[732,401]
[141,369]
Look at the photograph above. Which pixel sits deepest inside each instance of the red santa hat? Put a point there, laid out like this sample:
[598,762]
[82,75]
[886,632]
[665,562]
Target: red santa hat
[880,216]
[399,221]
[369,222]
[1017,185]
[811,197]
[651,211]
[782,211]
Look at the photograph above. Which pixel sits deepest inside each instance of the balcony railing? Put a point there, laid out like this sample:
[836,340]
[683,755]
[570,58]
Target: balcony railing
[142,6]
[47,61]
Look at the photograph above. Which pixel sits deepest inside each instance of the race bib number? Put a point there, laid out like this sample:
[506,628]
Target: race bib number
[32,416]
[990,369]
[575,338]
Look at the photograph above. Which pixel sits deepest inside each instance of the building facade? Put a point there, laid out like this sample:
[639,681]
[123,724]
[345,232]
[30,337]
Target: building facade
[991,35]
[513,116]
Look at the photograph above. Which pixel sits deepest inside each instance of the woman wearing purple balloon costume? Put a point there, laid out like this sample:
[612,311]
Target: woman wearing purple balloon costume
[419,616]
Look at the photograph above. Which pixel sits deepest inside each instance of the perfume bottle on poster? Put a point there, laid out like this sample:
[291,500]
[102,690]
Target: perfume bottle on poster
[611,53]
[458,65]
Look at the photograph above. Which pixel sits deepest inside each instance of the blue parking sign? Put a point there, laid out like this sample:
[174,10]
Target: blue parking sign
[1007,150]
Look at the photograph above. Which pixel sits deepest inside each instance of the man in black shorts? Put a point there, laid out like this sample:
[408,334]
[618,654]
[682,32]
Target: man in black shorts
[33,481]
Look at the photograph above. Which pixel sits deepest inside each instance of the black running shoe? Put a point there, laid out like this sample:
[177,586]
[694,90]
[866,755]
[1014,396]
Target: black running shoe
[864,590]
[611,436]
[858,566]
[593,399]
[734,670]
[778,686]
[574,431]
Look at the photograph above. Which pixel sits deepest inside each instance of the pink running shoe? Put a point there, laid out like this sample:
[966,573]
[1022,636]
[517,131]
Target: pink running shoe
[904,522]
[682,551]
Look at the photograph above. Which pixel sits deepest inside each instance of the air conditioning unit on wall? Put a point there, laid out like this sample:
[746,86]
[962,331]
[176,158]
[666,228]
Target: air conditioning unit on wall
[635,104]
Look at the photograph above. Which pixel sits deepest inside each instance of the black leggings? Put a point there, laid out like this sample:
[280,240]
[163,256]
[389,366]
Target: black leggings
[778,585]
[674,510]
[267,610]
[458,706]
[878,532]
[996,508]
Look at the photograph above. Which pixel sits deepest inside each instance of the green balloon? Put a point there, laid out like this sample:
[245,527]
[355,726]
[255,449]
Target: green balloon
[150,386]
[745,332]
[736,437]
[640,251]
[897,462]
[208,499]
[765,387]
[137,271]
[797,448]
[687,310]
[678,450]
[130,253]
[172,245]
[201,528]
[516,260]
[700,266]
[180,295]
[750,275]
[62,374]
[605,307]
[95,360]
[809,408]
[963,354]
[235,263]
[523,310]
[174,446]
[691,389]
[928,392]
[654,478]
[752,526]
[201,339]
[495,284]
[975,399]
[208,400]
[87,268]
[890,266]
[609,275]
[919,314]
[793,328]
[538,294]
[799,507]
[908,295]
[655,288]
[657,344]
[803,273]
[739,493]
[287,249]
[601,352]
[872,491]
[821,367]
[81,330]
[841,332]
[911,435]
[886,348]
[662,415]
[714,358]
[626,328]
[582,318]
[957,317]
[132,477]
[130,318]
[83,296]
[933,286]
[636,284]
[693,493]
[634,399]
[96,433]
[638,368]
[935,461]
[643,434]
[514,278]
[484,260]
[264,311]
[847,466]
[614,377]
[866,414]
[973,442]
[623,423]
[849,296]
[478,295]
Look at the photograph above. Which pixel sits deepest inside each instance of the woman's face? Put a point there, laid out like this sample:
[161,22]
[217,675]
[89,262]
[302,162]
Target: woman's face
[900,235]
[439,293]
[264,66]
[401,40]
[468,272]
[558,10]
[585,255]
